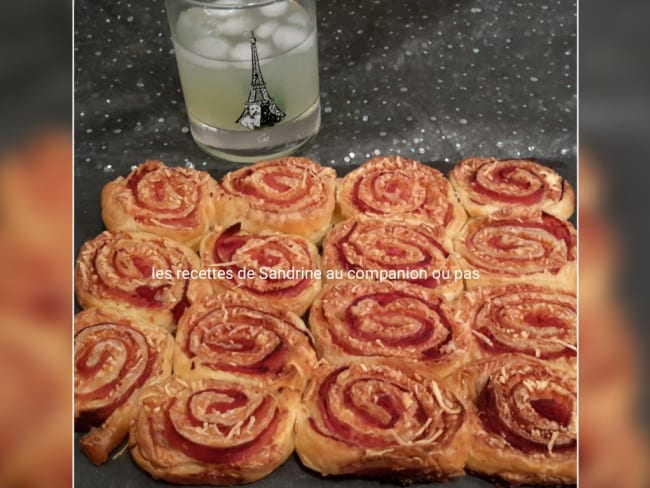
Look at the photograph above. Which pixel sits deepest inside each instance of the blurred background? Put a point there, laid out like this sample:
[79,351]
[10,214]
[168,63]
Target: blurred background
[36,243]
[614,242]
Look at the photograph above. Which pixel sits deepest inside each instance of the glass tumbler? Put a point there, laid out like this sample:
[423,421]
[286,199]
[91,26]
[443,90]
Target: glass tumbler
[249,74]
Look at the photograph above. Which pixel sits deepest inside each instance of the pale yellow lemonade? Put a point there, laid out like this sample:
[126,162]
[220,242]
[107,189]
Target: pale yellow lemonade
[213,51]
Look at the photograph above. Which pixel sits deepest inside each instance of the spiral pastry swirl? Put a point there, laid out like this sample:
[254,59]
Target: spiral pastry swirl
[118,271]
[114,357]
[207,431]
[233,337]
[178,203]
[519,246]
[290,195]
[381,420]
[522,415]
[363,320]
[396,187]
[526,319]
[274,268]
[378,249]
[486,185]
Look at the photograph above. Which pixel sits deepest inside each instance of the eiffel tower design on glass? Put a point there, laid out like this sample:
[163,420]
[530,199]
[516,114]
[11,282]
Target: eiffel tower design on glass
[260,110]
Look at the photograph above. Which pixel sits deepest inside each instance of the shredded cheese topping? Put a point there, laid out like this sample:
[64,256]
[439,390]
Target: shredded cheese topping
[483,338]
[551,442]
[441,401]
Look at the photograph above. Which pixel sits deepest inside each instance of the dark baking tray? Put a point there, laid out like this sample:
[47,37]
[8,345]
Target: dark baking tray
[123,473]
[436,81]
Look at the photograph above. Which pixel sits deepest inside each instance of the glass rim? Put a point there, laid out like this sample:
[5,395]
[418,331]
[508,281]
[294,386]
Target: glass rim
[230,4]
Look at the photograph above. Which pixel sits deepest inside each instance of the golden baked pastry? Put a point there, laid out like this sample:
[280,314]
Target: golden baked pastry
[400,188]
[518,247]
[486,185]
[276,269]
[178,203]
[235,337]
[527,319]
[522,415]
[114,357]
[138,274]
[381,421]
[391,250]
[370,320]
[291,195]
[212,432]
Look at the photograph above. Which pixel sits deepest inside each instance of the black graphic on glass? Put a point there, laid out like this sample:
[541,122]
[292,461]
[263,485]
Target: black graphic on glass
[260,110]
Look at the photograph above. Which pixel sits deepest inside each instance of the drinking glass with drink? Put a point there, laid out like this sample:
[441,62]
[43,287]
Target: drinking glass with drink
[249,73]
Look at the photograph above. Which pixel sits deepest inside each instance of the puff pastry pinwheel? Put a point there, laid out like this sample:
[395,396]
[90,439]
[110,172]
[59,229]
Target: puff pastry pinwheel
[486,185]
[151,278]
[518,247]
[381,421]
[522,414]
[399,188]
[178,203]
[527,319]
[276,269]
[114,358]
[234,337]
[392,250]
[371,320]
[291,195]
[213,432]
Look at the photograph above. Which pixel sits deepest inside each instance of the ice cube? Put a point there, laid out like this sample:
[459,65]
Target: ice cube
[307,44]
[235,26]
[220,12]
[184,20]
[275,9]
[241,52]
[266,30]
[264,50]
[298,19]
[211,47]
[287,37]
[192,23]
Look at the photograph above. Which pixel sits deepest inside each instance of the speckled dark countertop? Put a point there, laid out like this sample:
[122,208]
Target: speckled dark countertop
[433,80]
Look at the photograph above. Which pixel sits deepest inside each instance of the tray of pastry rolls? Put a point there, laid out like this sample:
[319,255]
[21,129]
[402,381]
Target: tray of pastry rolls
[292,324]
